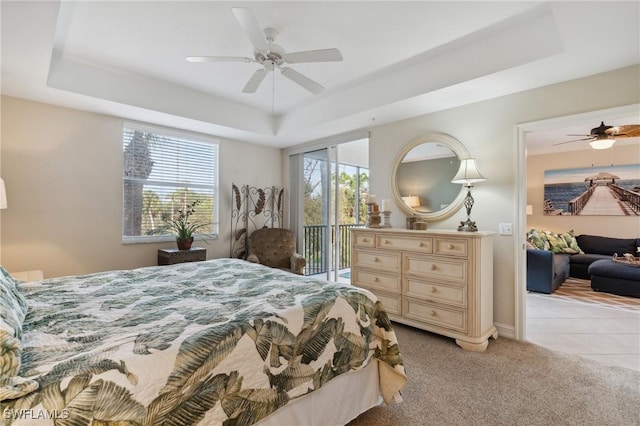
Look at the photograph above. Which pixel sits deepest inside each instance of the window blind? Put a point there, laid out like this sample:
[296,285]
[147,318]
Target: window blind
[162,174]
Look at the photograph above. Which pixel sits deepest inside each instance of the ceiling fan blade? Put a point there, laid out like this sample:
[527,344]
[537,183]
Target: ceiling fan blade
[249,24]
[626,131]
[218,59]
[575,140]
[323,55]
[302,80]
[255,80]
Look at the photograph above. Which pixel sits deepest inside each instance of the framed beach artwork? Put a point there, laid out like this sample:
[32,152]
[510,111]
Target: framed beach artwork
[593,191]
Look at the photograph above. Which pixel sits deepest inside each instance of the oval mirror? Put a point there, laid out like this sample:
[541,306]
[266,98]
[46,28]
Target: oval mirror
[422,173]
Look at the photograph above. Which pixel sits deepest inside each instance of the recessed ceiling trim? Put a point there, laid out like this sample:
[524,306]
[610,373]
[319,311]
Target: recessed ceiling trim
[491,52]
[144,92]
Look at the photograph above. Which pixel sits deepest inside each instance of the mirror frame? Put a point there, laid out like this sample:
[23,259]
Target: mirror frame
[454,145]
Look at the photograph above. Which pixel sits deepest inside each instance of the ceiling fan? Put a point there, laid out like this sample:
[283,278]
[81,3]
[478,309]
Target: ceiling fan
[271,56]
[603,136]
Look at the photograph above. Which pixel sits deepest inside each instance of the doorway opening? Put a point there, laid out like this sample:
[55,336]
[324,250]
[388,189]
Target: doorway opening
[547,320]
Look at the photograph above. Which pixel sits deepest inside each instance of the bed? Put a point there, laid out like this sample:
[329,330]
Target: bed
[220,342]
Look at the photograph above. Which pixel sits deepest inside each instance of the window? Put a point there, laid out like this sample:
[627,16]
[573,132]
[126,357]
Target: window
[163,173]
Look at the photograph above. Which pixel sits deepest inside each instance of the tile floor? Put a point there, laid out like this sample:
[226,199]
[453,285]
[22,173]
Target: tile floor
[607,335]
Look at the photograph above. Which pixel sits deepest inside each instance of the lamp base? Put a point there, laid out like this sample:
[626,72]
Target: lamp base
[468,226]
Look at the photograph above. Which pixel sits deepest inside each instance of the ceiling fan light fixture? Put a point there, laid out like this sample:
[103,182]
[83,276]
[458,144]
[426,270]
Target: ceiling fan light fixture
[271,56]
[602,143]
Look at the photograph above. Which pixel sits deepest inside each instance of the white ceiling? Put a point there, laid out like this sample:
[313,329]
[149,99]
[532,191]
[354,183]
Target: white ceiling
[564,133]
[401,59]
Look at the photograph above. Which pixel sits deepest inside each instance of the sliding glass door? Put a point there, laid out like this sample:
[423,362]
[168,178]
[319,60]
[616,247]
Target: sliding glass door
[333,198]
[319,206]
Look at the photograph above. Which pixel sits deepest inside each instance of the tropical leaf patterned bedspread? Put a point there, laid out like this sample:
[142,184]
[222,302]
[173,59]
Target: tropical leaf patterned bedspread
[221,342]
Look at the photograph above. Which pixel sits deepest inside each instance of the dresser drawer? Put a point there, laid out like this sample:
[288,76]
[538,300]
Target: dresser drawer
[375,280]
[450,246]
[363,240]
[451,318]
[377,259]
[451,270]
[455,295]
[392,303]
[395,242]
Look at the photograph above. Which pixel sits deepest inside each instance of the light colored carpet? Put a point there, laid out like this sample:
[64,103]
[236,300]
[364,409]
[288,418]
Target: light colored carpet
[580,290]
[512,383]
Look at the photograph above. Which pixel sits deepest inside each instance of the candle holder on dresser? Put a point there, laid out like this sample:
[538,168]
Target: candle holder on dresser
[410,221]
[386,219]
[374,216]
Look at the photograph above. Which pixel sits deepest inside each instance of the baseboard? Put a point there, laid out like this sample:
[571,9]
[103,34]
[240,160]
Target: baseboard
[507,331]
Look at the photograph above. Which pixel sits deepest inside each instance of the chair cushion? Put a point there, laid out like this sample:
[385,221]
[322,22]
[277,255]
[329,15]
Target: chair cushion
[273,247]
[587,259]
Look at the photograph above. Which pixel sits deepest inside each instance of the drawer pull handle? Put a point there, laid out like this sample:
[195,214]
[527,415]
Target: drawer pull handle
[420,244]
[364,240]
[434,314]
[375,259]
[433,267]
[376,279]
[434,290]
[450,247]
[386,241]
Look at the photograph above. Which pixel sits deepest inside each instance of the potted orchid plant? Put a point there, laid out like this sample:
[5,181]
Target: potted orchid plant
[183,227]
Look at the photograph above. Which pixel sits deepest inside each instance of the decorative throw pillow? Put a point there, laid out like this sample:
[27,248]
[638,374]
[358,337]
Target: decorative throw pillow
[10,352]
[538,239]
[11,284]
[13,309]
[563,243]
[13,305]
[570,238]
[557,243]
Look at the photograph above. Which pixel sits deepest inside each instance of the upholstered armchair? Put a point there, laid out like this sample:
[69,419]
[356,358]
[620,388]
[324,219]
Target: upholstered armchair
[275,247]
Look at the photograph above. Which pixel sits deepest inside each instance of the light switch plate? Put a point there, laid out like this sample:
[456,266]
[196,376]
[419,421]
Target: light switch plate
[505,229]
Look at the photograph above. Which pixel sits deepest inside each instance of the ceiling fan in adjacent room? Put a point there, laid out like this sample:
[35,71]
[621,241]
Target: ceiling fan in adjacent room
[271,56]
[603,136]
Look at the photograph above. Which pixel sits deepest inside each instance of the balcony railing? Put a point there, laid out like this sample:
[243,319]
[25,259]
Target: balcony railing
[315,244]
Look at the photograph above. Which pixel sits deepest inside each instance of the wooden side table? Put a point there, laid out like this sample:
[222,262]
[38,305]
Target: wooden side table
[171,256]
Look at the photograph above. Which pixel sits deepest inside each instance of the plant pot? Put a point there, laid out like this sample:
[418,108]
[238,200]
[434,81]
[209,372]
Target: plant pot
[184,243]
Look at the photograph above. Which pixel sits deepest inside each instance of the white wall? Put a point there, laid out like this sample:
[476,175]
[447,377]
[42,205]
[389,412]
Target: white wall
[63,172]
[487,129]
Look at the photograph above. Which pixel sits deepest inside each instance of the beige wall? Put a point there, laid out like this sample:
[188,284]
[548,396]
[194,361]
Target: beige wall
[611,226]
[53,156]
[487,129]
[63,172]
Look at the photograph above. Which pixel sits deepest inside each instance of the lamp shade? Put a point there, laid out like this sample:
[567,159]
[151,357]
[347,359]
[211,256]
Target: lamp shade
[3,195]
[411,201]
[468,173]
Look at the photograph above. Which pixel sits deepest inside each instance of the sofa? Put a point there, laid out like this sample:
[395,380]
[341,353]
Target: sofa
[596,248]
[546,271]
[552,258]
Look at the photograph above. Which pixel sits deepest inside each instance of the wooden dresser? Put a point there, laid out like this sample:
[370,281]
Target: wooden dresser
[440,281]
